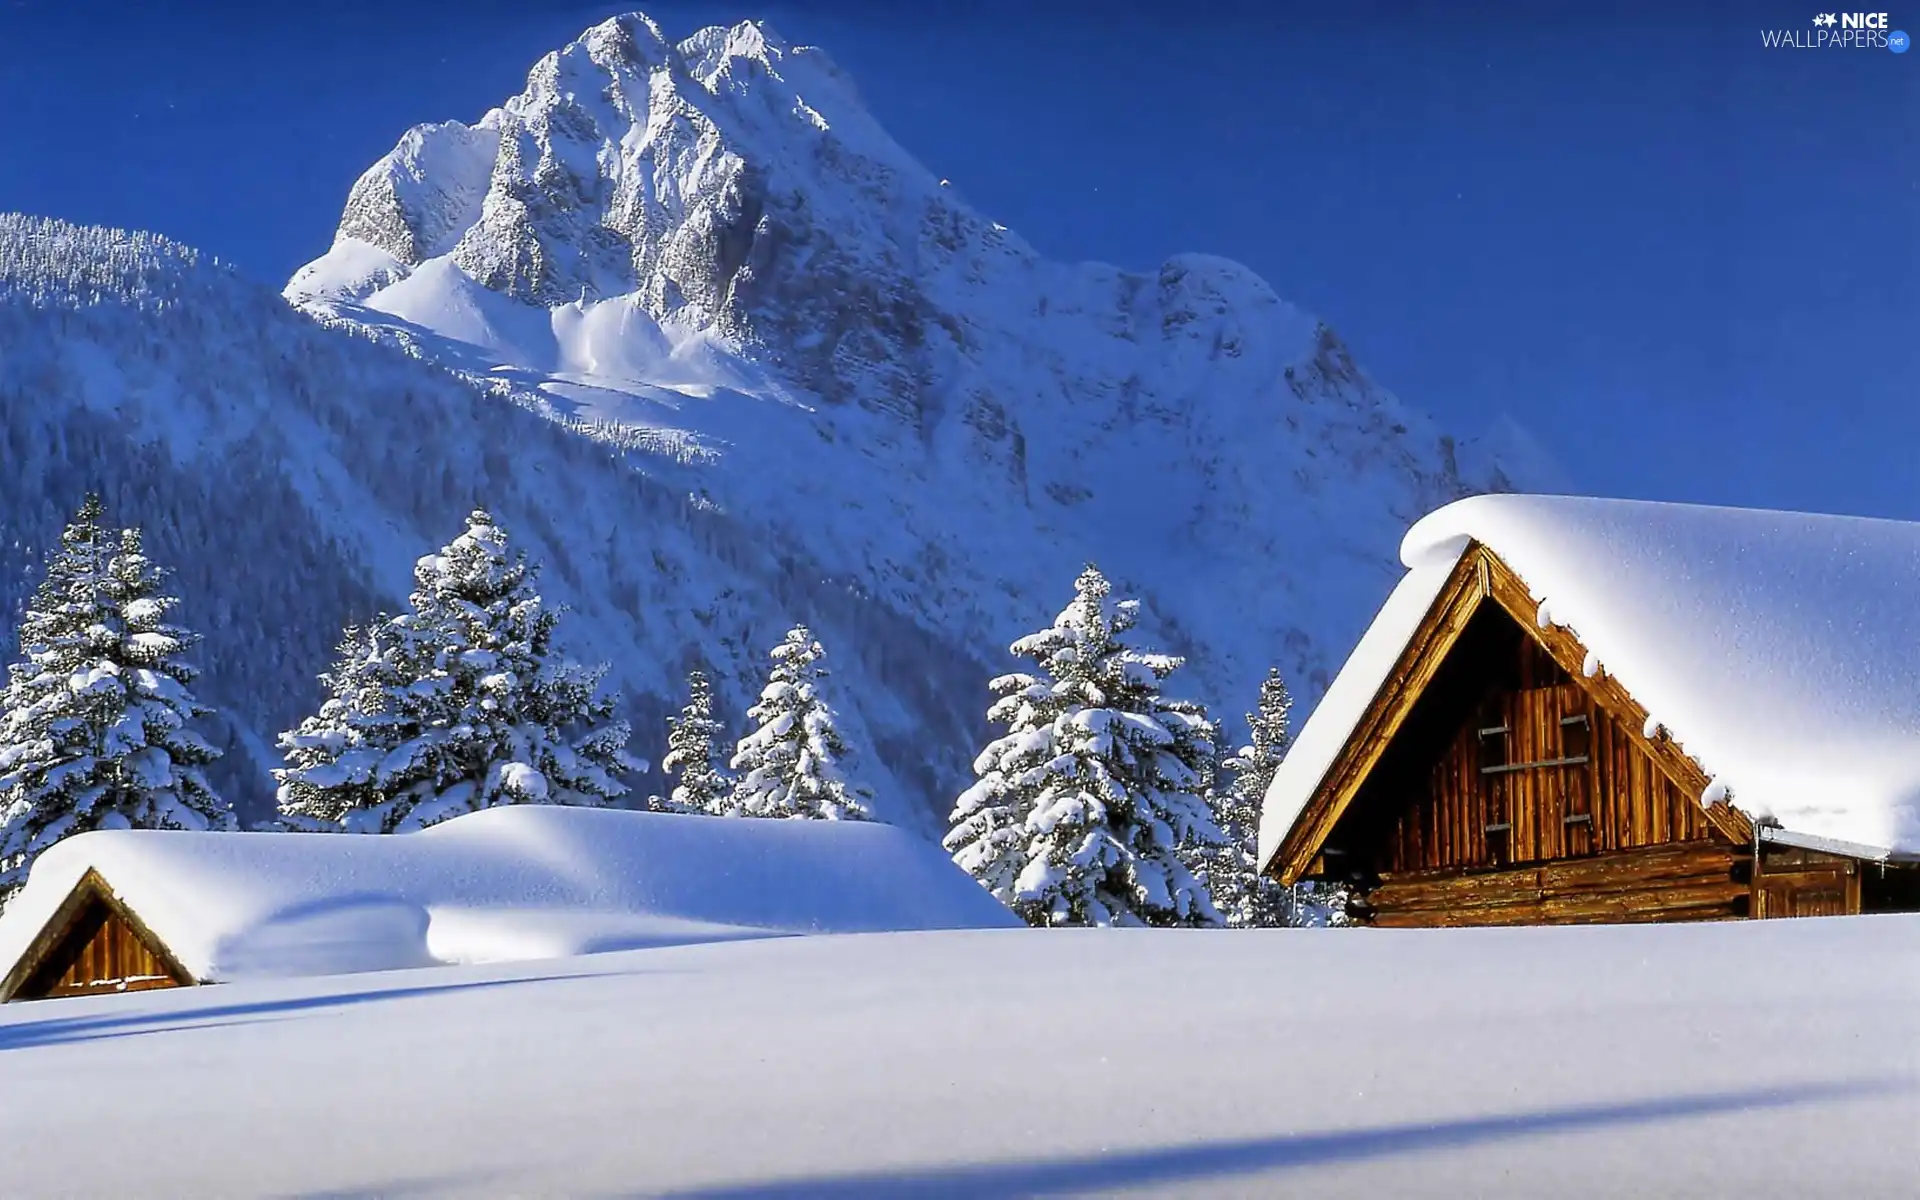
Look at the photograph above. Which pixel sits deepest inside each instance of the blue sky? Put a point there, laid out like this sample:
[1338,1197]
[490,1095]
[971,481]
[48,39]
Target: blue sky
[1688,264]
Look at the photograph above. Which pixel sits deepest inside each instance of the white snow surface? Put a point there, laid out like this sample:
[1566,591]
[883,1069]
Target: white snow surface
[1764,1058]
[505,884]
[1777,649]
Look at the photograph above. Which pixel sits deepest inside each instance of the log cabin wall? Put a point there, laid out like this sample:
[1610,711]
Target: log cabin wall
[1806,883]
[1536,771]
[1511,797]
[1485,785]
[1683,881]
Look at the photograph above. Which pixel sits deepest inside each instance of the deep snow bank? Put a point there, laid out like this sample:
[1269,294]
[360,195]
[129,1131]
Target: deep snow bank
[506,884]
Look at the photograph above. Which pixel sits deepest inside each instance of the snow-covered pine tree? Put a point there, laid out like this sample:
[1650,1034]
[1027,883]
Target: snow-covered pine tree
[693,752]
[1232,870]
[1321,904]
[334,757]
[789,763]
[94,721]
[461,704]
[1086,809]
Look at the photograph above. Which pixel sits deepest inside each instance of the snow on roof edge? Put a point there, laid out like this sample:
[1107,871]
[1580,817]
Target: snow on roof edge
[505,884]
[1807,841]
[1776,649]
[1327,729]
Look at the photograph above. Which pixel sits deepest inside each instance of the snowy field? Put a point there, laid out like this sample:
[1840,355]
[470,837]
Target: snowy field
[1762,1059]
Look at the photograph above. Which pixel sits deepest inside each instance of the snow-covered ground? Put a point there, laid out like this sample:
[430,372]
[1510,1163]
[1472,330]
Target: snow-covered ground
[1750,1059]
[521,881]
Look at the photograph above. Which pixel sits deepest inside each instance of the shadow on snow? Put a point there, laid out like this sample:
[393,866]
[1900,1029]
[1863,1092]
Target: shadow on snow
[1177,1164]
[62,1030]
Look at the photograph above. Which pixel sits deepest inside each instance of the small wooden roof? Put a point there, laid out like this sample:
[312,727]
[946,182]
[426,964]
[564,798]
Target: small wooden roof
[56,940]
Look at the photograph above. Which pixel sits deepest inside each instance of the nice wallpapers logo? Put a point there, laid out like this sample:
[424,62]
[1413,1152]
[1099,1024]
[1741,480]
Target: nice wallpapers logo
[1840,31]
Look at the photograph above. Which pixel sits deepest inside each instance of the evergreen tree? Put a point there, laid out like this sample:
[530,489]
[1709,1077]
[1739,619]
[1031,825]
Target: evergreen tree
[1086,808]
[789,764]
[1321,904]
[94,720]
[334,758]
[1232,870]
[693,752]
[461,704]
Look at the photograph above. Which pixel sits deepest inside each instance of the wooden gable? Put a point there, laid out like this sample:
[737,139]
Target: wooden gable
[93,944]
[1489,746]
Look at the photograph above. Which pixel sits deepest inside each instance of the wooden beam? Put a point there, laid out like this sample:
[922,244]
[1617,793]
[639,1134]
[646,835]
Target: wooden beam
[1676,882]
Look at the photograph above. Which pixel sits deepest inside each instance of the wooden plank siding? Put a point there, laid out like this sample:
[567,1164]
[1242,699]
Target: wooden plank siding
[101,953]
[1600,793]
[1493,779]
[92,944]
[1702,880]
[1444,622]
[1538,808]
[1480,588]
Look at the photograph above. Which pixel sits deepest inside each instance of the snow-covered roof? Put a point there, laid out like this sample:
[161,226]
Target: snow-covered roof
[504,884]
[1780,650]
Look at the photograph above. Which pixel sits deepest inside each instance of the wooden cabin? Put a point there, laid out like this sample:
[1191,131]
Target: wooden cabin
[1483,767]
[92,945]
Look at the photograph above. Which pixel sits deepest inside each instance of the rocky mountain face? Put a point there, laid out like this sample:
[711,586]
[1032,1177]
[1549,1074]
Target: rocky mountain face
[689,318]
[713,244]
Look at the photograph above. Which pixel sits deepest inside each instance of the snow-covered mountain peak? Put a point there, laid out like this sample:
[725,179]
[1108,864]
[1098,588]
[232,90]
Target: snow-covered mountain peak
[627,165]
[712,249]
[711,54]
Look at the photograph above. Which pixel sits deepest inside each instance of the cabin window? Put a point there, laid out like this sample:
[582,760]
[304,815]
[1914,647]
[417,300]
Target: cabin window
[1496,739]
[1534,747]
[1576,798]
[1576,736]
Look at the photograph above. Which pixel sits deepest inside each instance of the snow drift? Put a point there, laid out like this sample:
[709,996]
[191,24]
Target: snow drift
[1725,1059]
[1778,649]
[506,884]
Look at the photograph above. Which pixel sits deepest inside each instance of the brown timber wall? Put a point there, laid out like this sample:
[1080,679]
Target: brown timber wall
[1538,772]
[1699,881]
[98,952]
[1499,778]
[1806,883]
